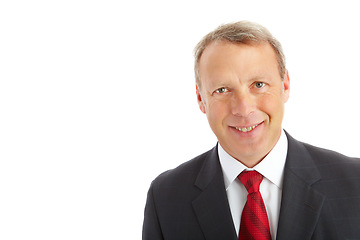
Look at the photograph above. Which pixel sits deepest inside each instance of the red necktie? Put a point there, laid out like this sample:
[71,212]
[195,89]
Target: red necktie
[254,222]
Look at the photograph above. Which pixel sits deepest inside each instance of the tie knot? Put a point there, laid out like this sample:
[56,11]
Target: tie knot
[251,180]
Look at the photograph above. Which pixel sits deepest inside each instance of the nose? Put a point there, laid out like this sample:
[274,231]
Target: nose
[242,104]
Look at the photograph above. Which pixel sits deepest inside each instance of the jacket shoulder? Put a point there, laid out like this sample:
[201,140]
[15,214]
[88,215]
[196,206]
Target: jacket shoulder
[340,174]
[340,186]
[328,158]
[182,174]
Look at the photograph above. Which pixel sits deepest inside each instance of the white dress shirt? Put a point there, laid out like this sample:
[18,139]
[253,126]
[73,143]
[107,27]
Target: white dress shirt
[271,167]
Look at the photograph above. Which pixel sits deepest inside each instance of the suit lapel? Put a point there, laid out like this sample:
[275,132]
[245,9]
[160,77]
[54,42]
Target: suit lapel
[211,206]
[301,204]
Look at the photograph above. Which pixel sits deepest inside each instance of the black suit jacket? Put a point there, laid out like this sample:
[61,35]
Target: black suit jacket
[320,198]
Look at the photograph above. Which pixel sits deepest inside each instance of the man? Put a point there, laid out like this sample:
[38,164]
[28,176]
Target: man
[258,182]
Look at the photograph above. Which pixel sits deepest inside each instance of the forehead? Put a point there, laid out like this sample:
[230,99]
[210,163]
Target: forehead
[222,48]
[237,58]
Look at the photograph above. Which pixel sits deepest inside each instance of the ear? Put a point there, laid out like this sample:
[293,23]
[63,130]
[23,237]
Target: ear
[200,100]
[286,86]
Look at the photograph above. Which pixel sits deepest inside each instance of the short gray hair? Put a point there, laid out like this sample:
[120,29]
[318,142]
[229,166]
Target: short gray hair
[240,32]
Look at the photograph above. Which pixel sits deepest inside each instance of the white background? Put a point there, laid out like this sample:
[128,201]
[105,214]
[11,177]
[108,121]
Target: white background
[97,98]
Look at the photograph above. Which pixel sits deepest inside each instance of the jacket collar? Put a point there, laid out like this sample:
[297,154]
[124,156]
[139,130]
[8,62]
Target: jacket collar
[211,206]
[300,204]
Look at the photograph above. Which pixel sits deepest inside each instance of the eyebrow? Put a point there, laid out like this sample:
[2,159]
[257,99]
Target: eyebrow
[256,78]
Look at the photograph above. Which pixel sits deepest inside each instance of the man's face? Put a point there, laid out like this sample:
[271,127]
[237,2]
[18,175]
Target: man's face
[243,96]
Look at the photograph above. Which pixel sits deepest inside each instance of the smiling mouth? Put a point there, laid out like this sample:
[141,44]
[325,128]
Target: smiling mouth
[247,129]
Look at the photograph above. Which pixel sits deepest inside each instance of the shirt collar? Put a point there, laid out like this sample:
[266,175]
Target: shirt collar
[271,167]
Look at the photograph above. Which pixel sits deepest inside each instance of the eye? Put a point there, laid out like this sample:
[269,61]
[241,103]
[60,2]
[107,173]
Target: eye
[221,90]
[259,84]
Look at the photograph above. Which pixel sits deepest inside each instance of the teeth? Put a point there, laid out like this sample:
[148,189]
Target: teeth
[248,129]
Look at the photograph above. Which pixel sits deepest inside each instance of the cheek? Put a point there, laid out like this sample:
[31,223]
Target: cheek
[272,105]
[216,111]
